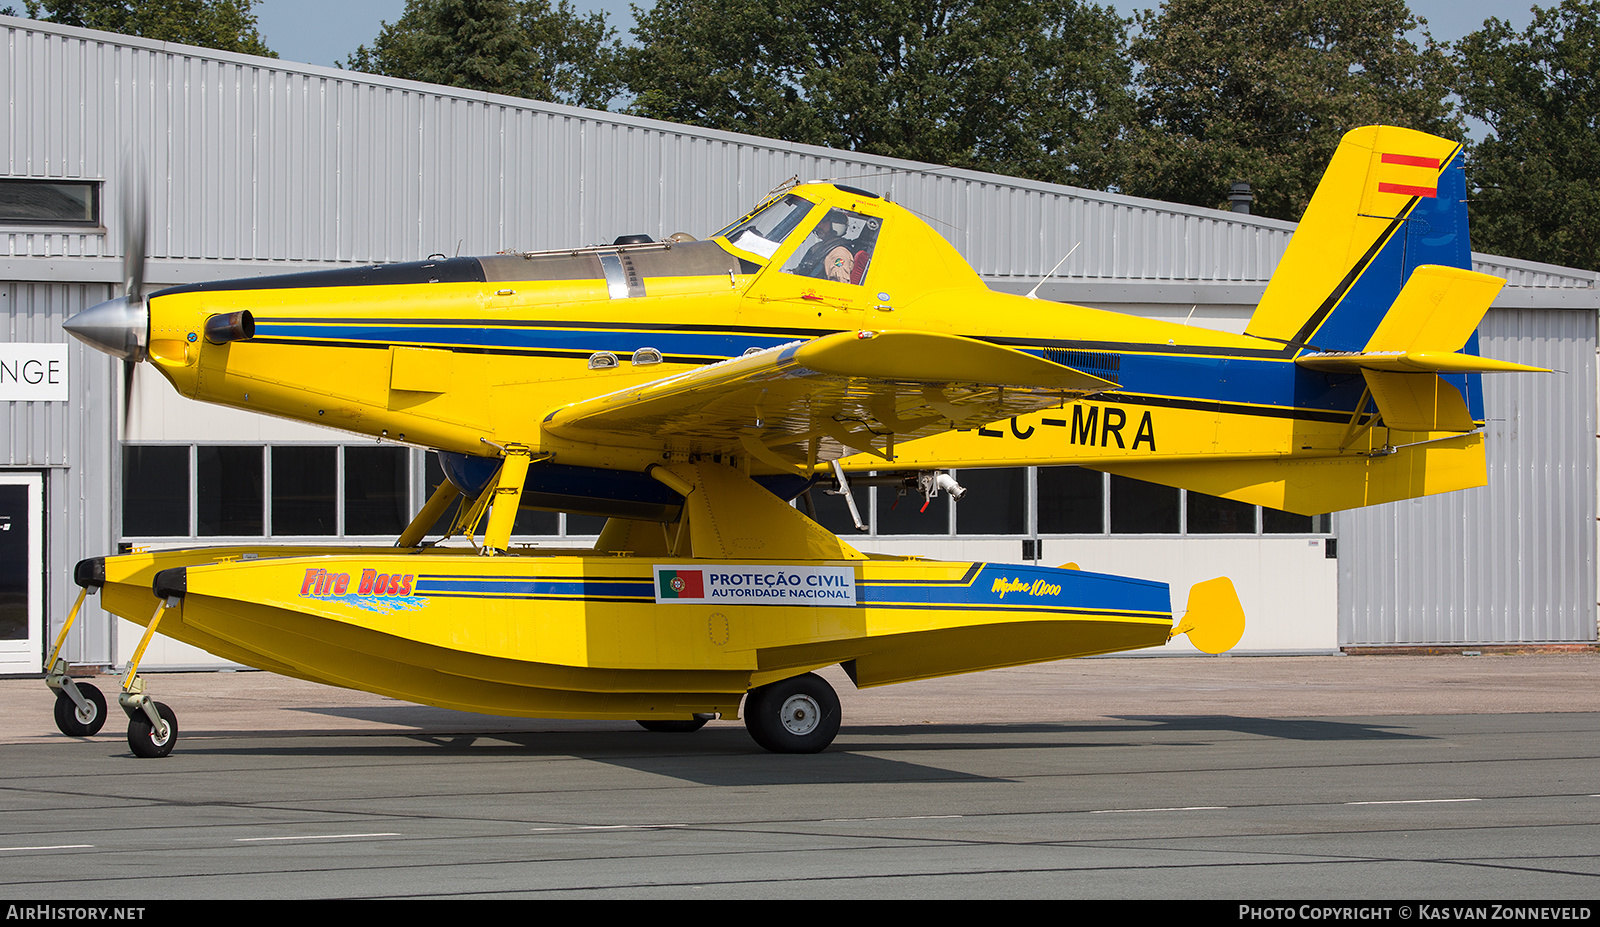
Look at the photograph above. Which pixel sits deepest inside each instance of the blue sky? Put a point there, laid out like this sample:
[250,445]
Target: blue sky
[324,32]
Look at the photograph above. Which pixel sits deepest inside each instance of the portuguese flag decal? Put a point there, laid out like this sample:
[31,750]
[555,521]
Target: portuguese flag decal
[681,584]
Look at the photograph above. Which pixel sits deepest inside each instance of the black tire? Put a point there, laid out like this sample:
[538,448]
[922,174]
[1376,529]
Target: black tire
[142,737]
[81,723]
[659,726]
[795,715]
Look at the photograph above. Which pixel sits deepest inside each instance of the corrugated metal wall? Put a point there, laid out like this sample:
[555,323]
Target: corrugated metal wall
[54,434]
[70,442]
[1513,562]
[1533,275]
[345,167]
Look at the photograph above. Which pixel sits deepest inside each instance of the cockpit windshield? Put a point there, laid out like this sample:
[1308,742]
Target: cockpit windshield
[768,226]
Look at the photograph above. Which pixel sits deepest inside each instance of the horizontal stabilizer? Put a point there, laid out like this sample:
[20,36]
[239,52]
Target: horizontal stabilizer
[1420,337]
[1411,362]
[1425,329]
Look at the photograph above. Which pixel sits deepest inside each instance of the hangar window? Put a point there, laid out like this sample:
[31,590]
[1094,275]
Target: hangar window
[1071,501]
[155,491]
[1138,507]
[180,491]
[1274,521]
[49,202]
[228,491]
[1004,505]
[304,490]
[377,490]
[1055,501]
[1214,515]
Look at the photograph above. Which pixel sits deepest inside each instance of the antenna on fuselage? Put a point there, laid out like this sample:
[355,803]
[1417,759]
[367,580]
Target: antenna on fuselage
[1033,293]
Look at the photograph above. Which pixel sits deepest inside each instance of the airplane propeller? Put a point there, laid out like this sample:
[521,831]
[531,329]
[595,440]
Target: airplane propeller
[120,327]
[135,229]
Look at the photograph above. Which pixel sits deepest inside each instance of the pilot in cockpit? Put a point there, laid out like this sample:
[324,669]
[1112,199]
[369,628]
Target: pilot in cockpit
[838,249]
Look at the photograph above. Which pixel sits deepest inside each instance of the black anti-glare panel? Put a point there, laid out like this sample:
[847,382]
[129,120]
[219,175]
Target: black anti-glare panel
[447,270]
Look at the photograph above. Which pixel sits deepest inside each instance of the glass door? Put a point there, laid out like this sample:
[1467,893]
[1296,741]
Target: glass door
[21,572]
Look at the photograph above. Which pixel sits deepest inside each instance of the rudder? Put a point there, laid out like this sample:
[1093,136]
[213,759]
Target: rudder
[1391,200]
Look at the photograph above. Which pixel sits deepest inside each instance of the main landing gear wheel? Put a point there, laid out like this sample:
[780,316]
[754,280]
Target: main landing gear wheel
[673,726]
[795,715]
[143,738]
[81,722]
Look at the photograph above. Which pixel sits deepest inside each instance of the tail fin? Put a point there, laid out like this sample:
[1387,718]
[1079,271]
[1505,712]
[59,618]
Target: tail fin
[1391,200]
[1378,280]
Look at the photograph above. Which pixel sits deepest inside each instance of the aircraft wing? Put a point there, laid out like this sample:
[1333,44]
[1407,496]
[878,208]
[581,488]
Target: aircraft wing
[814,401]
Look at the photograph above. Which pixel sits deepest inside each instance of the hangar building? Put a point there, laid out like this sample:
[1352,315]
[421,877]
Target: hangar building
[259,166]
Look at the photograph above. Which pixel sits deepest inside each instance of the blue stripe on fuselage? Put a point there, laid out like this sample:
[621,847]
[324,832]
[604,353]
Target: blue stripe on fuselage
[1237,381]
[1225,380]
[576,341]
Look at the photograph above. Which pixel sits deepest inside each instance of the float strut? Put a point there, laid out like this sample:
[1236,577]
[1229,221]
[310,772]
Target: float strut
[431,512]
[507,494]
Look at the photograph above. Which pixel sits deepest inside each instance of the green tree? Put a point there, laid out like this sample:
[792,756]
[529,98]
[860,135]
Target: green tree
[1033,88]
[524,48]
[1536,177]
[229,25]
[1262,90]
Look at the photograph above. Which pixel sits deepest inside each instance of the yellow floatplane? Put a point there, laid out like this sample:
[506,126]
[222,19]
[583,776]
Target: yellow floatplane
[690,390]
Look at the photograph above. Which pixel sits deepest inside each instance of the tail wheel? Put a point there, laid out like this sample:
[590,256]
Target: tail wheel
[795,715]
[145,740]
[81,722]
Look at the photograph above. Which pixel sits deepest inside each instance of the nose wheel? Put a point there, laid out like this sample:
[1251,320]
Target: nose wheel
[795,715]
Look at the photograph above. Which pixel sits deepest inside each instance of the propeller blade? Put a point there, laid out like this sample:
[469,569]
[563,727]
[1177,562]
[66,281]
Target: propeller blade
[135,222]
[135,226]
[129,368]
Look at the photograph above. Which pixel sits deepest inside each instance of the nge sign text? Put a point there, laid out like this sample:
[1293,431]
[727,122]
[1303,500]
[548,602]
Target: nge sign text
[33,372]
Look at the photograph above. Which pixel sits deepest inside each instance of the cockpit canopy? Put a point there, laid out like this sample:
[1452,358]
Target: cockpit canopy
[838,246]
